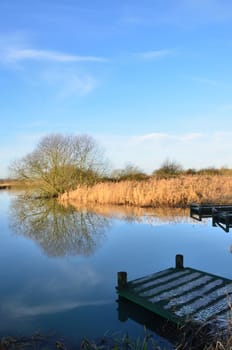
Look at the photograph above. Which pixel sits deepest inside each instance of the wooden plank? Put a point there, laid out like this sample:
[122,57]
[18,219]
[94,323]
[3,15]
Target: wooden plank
[180,295]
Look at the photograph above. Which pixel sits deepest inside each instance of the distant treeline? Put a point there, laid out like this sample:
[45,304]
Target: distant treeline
[131,172]
[166,170]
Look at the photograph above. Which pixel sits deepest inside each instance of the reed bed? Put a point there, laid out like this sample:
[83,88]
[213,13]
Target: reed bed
[170,192]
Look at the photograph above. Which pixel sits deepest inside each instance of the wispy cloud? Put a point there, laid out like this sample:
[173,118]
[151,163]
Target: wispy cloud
[58,70]
[153,55]
[152,136]
[20,54]
[190,136]
[17,47]
[205,81]
[165,136]
[69,82]
[17,310]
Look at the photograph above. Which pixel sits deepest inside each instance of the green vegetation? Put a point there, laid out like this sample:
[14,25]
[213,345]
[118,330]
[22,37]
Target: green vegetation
[60,163]
[129,172]
[169,169]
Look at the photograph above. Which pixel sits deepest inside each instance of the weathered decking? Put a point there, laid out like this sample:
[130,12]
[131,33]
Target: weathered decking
[180,295]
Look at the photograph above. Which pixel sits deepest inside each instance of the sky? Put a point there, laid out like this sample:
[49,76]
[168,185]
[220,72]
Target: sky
[149,80]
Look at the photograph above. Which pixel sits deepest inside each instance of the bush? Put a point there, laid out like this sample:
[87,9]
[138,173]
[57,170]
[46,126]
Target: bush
[169,168]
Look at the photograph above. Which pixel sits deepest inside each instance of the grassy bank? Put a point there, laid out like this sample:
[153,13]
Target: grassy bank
[170,192]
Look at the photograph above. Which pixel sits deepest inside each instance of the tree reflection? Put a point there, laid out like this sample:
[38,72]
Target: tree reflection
[57,229]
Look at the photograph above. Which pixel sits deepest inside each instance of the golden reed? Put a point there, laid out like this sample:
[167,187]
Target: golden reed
[171,192]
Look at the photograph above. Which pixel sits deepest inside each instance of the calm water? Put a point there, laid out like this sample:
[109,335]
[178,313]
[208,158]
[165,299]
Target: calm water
[58,267]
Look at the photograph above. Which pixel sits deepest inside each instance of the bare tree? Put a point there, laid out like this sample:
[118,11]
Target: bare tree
[59,163]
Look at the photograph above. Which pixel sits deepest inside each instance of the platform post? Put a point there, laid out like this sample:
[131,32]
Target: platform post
[214,216]
[123,314]
[227,223]
[179,261]
[122,280]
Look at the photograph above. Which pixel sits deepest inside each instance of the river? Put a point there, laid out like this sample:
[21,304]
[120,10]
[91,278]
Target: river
[58,266]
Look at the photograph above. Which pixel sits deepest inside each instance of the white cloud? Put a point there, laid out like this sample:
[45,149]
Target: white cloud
[17,47]
[59,71]
[152,136]
[190,137]
[69,82]
[165,136]
[19,54]
[80,86]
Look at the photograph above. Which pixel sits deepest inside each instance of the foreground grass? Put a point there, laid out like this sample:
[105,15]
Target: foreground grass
[192,339]
[106,342]
[171,192]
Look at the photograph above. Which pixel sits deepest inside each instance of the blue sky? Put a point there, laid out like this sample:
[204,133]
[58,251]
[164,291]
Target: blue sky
[150,80]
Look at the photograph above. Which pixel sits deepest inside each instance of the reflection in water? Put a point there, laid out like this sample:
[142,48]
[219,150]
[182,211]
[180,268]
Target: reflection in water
[166,333]
[57,229]
[151,216]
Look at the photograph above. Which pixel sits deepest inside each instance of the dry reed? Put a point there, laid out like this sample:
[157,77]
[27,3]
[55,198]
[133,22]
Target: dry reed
[172,192]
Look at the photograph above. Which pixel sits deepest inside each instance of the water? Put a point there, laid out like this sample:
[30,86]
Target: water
[58,267]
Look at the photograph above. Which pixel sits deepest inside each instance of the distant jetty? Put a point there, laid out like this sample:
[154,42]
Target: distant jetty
[221,214]
[5,186]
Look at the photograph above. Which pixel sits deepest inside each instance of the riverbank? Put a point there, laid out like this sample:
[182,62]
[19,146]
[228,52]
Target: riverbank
[176,192]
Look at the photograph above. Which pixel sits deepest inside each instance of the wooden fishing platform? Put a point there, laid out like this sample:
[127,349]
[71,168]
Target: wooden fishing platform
[199,211]
[221,214]
[181,294]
